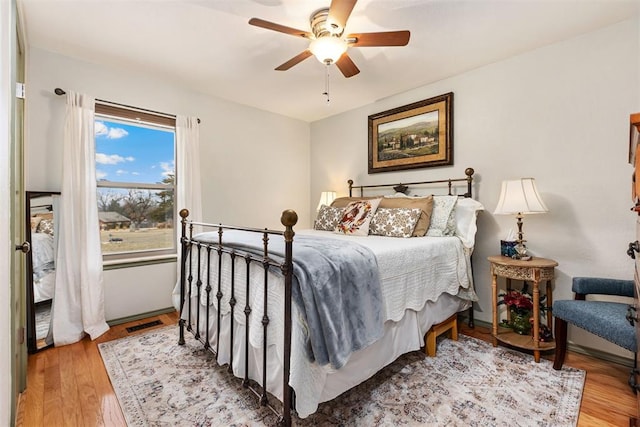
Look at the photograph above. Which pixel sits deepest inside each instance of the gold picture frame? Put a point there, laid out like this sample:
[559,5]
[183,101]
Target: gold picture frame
[417,135]
[634,137]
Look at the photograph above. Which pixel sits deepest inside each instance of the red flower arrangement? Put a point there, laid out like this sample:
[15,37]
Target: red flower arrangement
[520,302]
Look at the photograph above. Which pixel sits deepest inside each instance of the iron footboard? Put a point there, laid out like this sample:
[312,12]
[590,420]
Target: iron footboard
[193,280]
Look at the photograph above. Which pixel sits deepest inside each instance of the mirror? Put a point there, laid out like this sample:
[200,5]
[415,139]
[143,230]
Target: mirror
[41,272]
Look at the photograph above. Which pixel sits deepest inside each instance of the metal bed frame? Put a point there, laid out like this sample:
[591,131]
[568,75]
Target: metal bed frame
[203,286]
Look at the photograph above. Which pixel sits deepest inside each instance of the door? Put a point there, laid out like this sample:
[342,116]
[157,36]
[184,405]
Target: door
[18,220]
[13,356]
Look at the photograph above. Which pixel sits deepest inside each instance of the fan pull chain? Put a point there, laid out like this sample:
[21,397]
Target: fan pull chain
[326,85]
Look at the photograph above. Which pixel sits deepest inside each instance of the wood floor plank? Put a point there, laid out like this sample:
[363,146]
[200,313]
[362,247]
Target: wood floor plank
[88,401]
[33,397]
[109,407]
[69,388]
[586,420]
[607,399]
[53,415]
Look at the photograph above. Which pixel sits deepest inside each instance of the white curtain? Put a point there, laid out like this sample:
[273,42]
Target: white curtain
[189,193]
[79,291]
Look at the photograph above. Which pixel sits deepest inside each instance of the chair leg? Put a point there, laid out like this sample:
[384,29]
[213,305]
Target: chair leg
[632,376]
[561,343]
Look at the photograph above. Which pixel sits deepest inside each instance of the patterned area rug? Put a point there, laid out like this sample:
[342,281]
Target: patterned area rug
[159,383]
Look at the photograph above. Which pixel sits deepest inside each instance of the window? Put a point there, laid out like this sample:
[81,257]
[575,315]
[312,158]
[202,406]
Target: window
[135,173]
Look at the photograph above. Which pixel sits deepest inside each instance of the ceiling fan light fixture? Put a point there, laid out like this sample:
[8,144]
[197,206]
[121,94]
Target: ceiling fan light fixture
[328,49]
[326,39]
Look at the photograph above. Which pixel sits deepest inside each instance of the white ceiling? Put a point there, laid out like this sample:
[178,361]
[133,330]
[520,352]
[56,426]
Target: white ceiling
[208,46]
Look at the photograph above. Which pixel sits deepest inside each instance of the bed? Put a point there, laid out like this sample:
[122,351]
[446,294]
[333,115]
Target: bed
[43,256]
[308,325]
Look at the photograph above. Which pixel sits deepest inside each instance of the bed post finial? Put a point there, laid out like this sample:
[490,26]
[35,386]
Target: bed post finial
[289,218]
[184,213]
[469,172]
[350,182]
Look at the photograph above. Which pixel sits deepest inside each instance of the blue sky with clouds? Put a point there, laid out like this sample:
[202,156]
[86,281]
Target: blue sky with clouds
[129,153]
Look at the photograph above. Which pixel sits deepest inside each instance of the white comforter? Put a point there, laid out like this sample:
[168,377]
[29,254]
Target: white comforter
[407,265]
[412,272]
[44,274]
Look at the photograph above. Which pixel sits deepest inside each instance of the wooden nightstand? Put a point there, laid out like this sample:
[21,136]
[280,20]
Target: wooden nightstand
[534,270]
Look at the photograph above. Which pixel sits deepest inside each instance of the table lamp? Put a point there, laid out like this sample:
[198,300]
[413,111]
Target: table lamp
[520,197]
[326,198]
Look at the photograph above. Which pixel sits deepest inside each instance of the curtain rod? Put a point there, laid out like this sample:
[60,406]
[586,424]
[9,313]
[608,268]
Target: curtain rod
[61,92]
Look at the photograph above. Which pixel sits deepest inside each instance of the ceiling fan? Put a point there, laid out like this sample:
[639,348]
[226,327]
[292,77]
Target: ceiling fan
[326,36]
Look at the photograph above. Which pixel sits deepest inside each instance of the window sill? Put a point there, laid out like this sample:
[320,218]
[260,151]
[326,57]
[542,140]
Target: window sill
[138,262]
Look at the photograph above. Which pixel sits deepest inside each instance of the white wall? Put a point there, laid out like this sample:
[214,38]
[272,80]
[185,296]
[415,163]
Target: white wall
[559,114]
[131,291]
[254,164]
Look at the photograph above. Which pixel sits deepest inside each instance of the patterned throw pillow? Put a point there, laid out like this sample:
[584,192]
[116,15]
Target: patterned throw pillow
[357,217]
[394,222]
[406,202]
[35,220]
[45,226]
[328,218]
[443,216]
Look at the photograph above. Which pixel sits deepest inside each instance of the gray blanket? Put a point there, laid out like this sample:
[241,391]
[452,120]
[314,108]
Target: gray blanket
[335,286]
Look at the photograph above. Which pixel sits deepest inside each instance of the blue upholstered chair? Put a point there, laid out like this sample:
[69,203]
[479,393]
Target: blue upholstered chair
[603,318]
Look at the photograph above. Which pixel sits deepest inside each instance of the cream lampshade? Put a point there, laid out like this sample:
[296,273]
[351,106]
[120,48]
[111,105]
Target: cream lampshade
[520,197]
[326,198]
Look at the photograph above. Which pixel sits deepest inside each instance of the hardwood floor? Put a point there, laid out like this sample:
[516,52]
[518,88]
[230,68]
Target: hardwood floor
[69,385]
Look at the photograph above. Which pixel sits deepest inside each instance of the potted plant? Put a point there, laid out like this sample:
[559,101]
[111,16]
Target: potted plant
[520,305]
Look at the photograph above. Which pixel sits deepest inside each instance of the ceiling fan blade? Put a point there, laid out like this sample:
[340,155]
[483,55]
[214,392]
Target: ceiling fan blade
[388,38]
[340,10]
[280,28]
[346,66]
[295,60]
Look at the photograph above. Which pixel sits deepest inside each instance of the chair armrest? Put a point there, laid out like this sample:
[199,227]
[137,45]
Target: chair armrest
[602,286]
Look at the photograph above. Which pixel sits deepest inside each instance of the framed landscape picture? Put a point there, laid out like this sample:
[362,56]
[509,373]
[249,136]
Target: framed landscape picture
[417,135]
[634,137]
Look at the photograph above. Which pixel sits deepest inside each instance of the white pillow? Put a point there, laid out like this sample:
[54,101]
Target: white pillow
[466,213]
[357,217]
[443,216]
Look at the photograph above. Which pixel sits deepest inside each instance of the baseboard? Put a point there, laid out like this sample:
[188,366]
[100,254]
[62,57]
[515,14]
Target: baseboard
[598,354]
[140,316]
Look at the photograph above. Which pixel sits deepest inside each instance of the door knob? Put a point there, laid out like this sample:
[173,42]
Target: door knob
[633,248]
[24,247]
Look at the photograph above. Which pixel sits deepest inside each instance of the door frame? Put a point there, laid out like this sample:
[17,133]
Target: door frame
[11,229]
